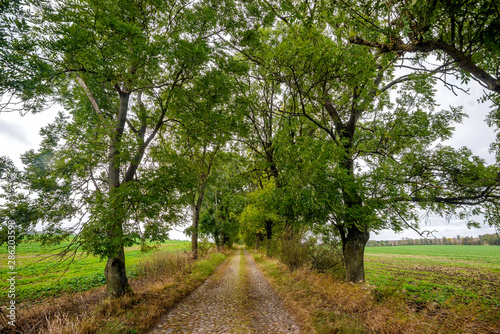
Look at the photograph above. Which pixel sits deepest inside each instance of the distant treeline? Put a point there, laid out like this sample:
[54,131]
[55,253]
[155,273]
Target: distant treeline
[486,239]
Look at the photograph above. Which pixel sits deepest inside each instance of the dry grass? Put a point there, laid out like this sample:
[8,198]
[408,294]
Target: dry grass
[167,278]
[329,306]
[164,264]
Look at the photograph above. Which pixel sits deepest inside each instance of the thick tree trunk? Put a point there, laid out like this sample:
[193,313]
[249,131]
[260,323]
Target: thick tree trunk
[115,270]
[354,250]
[116,275]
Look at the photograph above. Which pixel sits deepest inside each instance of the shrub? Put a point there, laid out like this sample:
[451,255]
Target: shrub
[295,251]
[204,247]
[292,251]
[327,258]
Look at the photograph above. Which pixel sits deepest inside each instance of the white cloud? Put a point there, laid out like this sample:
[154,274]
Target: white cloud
[12,132]
[19,134]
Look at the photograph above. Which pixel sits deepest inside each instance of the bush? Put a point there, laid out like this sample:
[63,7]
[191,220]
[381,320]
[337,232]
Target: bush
[295,252]
[292,251]
[204,247]
[327,258]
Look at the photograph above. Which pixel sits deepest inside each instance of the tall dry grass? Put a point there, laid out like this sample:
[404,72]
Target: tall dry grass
[163,279]
[164,264]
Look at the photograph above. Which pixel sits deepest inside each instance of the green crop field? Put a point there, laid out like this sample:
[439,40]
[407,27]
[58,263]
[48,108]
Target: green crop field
[39,274]
[444,274]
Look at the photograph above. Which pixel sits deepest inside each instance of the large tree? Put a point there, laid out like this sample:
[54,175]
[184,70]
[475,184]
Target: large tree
[123,66]
[205,118]
[386,163]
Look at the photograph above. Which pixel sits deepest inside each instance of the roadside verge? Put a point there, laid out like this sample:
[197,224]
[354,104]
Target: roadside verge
[90,312]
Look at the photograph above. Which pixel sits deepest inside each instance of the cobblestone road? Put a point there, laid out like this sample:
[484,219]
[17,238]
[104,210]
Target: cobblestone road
[235,299]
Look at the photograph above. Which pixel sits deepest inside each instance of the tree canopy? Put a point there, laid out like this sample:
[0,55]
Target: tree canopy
[265,119]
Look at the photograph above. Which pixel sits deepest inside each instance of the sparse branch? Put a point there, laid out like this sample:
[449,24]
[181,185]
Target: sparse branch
[463,61]
[410,226]
[282,18]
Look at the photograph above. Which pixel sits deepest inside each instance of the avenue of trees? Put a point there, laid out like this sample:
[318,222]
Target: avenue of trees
[260,121]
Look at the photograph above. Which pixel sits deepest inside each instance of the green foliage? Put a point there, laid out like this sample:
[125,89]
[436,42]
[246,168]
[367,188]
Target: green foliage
[204,247]
[292,250]
[24,75]
[327,258]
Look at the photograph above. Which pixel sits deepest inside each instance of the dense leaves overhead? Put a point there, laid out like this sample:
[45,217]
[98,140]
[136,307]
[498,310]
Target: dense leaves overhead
[264,118]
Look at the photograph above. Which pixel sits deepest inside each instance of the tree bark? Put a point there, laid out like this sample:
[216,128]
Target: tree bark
[116,275]
[269,235]
[463,61]
[354,249]
[194,235]
[115,271]
[195,207]
[355,239]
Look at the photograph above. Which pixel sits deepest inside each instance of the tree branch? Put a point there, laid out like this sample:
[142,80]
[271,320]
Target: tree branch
[90,96]
[463,61]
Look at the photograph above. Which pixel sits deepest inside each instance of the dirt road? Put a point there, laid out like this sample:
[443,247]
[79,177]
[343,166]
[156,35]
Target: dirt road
[235,299]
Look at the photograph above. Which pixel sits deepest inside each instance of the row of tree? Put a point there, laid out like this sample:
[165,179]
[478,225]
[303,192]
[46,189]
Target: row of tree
[485,239]
[264,118]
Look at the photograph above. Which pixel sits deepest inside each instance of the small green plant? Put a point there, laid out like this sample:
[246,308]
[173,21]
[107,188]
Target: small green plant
[385,292]
[204,247]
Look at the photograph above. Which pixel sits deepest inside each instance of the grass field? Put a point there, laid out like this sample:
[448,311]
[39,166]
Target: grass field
[40,275]
[409,289]
[448,275]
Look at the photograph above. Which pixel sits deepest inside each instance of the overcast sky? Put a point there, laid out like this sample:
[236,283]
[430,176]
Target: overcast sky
[19,134]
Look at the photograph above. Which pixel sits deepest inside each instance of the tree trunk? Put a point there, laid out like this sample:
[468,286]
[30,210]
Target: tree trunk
[269,235]
[354,249]
[195,207]
[115,271]
[116,275]
[257,240]
[194,235]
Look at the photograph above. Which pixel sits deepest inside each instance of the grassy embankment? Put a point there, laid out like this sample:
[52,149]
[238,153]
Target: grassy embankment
[409,289]
[162,279]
